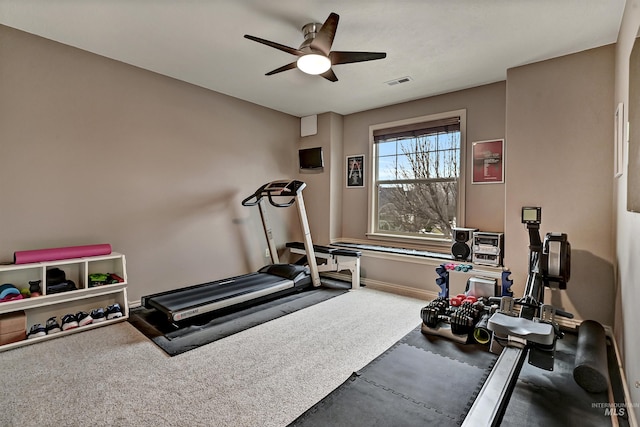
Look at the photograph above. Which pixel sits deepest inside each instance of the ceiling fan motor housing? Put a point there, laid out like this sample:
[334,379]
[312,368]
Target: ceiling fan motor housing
[309,32]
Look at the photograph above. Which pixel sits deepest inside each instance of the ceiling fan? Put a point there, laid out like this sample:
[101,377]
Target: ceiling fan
[314,54]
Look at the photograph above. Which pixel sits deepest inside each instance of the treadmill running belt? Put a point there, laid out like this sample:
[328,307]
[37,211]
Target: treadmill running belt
[421,380]
[207,293]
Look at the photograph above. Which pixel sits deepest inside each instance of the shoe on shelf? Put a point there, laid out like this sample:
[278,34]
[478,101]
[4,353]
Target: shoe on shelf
[98,315]
[69,321]
[37,330]
[52,326]
[83,318]
[114,311]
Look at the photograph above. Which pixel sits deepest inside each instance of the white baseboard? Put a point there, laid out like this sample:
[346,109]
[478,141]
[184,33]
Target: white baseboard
[406,291]
[568,323]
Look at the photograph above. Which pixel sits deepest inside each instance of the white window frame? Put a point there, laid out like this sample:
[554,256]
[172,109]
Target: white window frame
[436,244]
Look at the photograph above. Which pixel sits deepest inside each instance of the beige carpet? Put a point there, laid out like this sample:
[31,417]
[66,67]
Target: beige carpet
[264,376]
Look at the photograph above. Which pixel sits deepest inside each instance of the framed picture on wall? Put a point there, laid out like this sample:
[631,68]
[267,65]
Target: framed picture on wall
[488,162]
[355,171]
[618,141]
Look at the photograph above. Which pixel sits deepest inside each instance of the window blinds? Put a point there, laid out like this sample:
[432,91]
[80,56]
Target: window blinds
[451,124]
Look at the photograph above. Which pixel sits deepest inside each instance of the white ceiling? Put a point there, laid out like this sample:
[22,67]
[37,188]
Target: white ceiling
[442,45]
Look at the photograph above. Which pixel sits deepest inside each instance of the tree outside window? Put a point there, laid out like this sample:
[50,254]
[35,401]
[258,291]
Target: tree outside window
[417,175]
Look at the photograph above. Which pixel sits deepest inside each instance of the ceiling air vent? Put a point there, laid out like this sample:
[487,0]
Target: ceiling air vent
[397,81]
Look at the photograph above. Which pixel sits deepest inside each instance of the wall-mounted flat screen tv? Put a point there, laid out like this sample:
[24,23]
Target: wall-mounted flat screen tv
[311,158]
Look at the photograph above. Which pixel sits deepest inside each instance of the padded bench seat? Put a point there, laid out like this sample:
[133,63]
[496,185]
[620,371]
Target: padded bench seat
[337,259]
[326,249]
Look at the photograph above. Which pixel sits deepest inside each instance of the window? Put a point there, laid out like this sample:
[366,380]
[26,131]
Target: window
[418,178]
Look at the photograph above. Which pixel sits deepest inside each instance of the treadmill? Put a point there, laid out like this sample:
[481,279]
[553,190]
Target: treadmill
[269,282]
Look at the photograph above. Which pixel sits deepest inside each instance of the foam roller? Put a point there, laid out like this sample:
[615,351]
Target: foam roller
[53,254]
[590,371]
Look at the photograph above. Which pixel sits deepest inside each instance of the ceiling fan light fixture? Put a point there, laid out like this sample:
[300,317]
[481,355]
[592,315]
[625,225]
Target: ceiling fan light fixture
[315,56]
[312,63]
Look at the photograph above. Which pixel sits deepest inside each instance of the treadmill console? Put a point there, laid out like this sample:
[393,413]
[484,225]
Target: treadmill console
[283,188]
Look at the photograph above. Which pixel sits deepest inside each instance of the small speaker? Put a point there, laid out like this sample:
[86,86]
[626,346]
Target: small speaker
[463,240]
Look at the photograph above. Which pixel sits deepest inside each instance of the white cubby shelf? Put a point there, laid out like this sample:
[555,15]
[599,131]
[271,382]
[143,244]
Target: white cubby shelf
[83,298]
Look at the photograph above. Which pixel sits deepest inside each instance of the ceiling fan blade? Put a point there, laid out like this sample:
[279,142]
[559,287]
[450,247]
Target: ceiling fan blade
[330,75]
[324,38]
[278,46]
[349,57]
[283,68]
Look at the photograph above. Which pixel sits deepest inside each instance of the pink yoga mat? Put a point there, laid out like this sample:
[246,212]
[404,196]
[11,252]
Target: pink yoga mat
[53,254]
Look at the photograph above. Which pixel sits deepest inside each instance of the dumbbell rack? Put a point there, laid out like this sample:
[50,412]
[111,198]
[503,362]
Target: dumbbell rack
[455,317]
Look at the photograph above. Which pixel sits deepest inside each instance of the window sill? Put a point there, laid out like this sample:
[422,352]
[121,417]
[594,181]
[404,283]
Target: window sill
[391,250]
[393,245]
[439,246]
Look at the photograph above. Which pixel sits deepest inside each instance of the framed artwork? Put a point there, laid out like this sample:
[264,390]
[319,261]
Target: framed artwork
[355,171]
[488,162]
[618,141]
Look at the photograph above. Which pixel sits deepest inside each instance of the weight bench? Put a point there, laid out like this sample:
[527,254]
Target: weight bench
[335,259]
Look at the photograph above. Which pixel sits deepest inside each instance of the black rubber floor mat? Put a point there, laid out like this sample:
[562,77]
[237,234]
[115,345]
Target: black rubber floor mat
[428,380]
[360,403]
[407,385]
[177,339]
[472,354]
[553,398]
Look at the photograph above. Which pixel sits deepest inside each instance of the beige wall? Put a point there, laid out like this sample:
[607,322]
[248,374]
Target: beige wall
[485,107]
[337,180]
[96,151]
[559,128]
[627,223]
[324,187]
[558,156]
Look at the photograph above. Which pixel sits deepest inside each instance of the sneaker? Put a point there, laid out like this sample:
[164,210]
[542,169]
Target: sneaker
[37,330]
[114,311]
[69,321]
[98,315]
[52,326]
[83,318]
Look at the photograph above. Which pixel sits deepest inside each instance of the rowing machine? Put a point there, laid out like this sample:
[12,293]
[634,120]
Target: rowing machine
[533,331]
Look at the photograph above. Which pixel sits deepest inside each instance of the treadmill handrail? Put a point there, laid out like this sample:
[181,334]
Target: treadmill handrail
[281,188]
[281,205]
[248,202]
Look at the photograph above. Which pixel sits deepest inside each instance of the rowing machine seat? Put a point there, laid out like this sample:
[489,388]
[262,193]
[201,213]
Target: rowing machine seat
[537,332]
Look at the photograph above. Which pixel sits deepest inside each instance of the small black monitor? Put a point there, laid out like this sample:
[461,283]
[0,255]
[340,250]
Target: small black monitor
[311,158]
[531,215]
